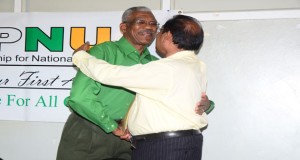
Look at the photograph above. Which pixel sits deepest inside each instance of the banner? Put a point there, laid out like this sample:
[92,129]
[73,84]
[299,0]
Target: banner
[36,59]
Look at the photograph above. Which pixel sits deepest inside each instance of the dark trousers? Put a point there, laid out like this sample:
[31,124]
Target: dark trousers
[179,148]
[82,140]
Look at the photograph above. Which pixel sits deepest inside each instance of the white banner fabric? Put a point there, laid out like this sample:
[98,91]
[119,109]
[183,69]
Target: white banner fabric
[36,59]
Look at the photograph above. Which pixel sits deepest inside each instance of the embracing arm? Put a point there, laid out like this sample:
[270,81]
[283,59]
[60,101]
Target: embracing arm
[84,100]
[138,78]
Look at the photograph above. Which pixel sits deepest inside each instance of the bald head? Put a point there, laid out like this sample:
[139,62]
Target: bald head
[186,31]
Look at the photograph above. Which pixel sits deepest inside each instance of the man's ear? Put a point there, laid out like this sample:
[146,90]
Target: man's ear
[169,37]
[123,27]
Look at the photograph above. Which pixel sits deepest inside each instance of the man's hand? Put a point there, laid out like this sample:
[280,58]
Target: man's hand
[203,104]
[118,131]
[126,135]
[84,47]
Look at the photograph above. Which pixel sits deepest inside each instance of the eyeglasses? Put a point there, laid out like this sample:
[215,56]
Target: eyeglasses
[143,22]
[161,29]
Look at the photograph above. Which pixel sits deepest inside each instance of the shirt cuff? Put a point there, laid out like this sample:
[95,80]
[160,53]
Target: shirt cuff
[211,107]
[110,127]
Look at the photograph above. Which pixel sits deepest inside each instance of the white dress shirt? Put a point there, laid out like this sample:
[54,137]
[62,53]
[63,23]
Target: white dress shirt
[167,90]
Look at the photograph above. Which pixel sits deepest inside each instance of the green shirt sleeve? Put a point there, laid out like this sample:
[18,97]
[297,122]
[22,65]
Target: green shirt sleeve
[85,99]
[211,107]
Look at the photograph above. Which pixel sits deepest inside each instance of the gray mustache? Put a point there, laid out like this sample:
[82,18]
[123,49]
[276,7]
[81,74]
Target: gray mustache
[148,31]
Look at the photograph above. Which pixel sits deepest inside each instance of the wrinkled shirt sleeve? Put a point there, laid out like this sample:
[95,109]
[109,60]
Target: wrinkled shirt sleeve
[85,101]
[139,78]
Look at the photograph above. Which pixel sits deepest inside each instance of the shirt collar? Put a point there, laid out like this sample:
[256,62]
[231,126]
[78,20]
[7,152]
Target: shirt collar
[127,48]
[186,53]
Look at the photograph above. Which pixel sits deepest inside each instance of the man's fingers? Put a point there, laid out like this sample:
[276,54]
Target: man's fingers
[126,137]
[84,47]
[199,111]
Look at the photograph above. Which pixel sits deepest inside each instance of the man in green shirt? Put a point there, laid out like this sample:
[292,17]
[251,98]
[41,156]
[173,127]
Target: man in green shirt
[97,108]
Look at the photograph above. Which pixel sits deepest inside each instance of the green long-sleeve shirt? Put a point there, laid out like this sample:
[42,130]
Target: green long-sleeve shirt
[99,103]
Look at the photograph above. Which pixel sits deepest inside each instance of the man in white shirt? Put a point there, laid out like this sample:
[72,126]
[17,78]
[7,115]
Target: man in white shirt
[161,120]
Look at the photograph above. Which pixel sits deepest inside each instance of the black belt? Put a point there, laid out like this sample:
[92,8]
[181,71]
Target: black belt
[163,135]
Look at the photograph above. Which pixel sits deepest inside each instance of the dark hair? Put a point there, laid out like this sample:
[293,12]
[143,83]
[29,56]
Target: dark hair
[186,31]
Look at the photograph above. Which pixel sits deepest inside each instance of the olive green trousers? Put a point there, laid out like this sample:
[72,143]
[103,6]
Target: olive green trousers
[82,140]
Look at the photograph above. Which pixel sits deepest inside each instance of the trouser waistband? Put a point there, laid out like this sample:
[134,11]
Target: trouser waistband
[163,135]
